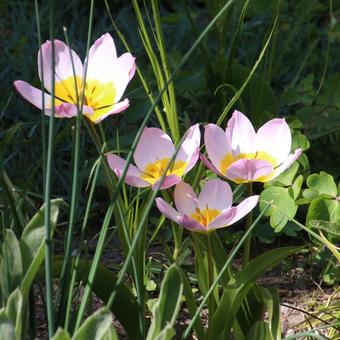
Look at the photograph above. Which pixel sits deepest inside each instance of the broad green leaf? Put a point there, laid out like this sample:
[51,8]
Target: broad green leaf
[32,243]
[281,202]
[320,184]
[260,331]
[167,307]
[322,209]
[14,311]
[296,187]
[7,331]
[125,307]
[236,291]
[11,268]
[191,304]
[61,334]
[286,178]
[299,141]
[95,327]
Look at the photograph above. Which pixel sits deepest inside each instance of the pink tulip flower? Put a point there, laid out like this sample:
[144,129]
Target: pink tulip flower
[106,79]
[209,211]
[152,156]
[242,155]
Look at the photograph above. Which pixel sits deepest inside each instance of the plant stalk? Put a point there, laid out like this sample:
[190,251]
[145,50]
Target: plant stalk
[249,221]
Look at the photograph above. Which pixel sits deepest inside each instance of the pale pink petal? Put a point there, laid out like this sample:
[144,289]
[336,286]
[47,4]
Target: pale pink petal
[167,210]
[62,63]
[32,94]
[68,110]
[234,214]
[240,134]
[249,170]
[288,162]
[216,144]
[153,145]
[133,175]
[114,109]
[275,138]
[191,224]
[189,149]
[168,182]
[215,194]
[102,58]
[209,165]
[123,70]
[61,110]
[185,198]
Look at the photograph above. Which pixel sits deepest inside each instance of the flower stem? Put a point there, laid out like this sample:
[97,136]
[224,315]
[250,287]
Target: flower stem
[249,221]
[211,301]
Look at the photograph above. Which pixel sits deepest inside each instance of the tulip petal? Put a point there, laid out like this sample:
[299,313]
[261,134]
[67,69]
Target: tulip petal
[153,145]
[168,182]
[102,60]
[234,214]
[167,210]
[133,174]
[185,198]
[241,134]
[63,68]
[249,170]
[123,70]
[275,138]
[215,194]
[209,165]
[101,114]
[191,224]
[216,144]
[61,110]
[189,149]
[288,162]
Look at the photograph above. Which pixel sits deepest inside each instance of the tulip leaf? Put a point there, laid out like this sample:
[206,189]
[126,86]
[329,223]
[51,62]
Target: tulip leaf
[191,304]
[61,334]
[125,306]
[167,307]
[239,286]
[282,209]
[260,331]
[7,331]
[96,326]
[14,310]
[11,267]
[32,243]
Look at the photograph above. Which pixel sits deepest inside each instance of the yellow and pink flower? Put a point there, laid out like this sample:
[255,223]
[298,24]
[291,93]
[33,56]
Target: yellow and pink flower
[242,155]
[211,209]
[107,77]
[152,156]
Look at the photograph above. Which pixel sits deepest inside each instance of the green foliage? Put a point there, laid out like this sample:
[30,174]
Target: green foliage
[167,307]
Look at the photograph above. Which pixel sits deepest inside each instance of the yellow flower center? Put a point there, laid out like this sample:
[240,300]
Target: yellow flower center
[229,159]
[204,217]
[97,95]
[154,171]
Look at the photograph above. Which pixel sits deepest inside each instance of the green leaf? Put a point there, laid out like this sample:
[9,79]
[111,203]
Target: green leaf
[322,209]
[32,243]
[11,268]
[260,331]
[296,187]
[167,307]
[281,201]
[234,295]
[7,331]
[286,178]
[125,307]
[320,184]
[95,326]
[61,334]
[14,311]
[299,140]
